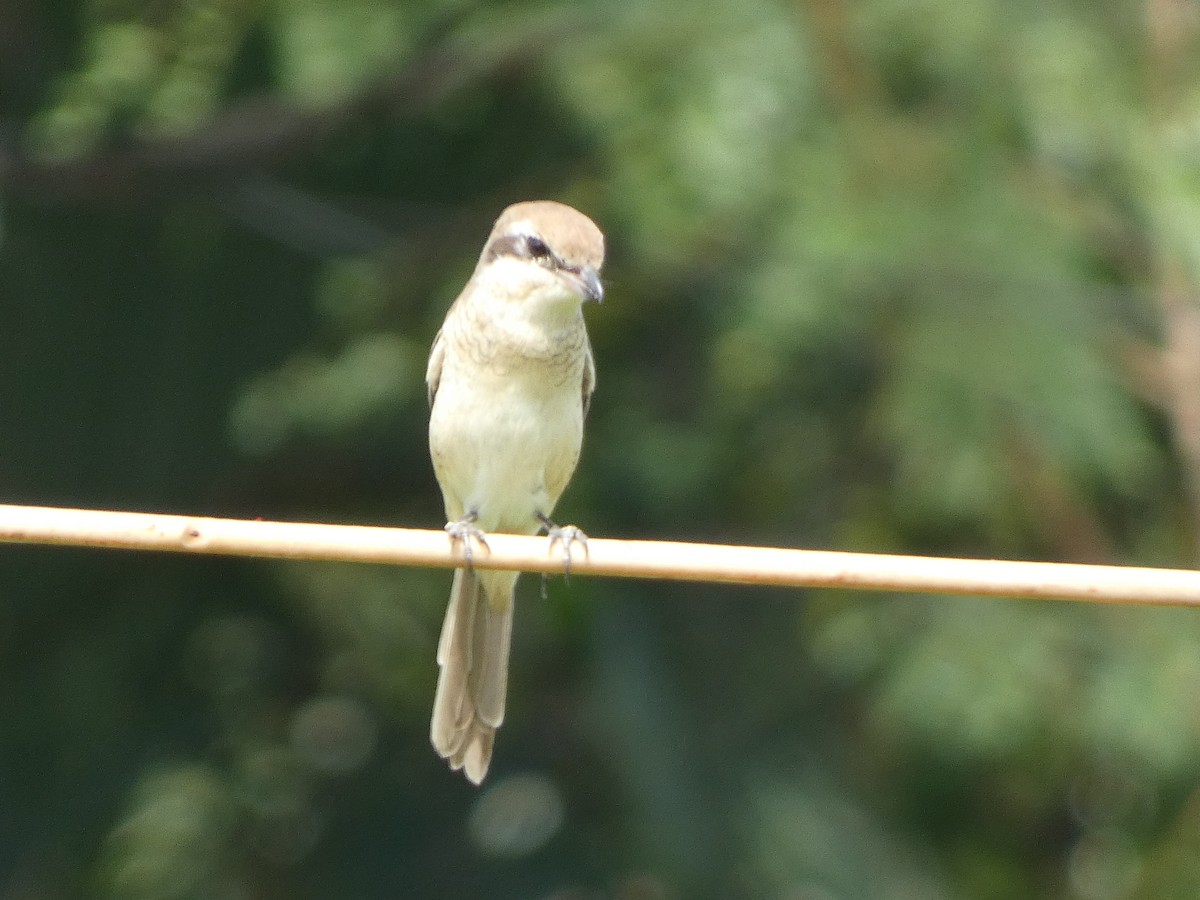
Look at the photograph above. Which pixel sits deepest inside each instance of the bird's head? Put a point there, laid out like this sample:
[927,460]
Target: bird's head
[544,252]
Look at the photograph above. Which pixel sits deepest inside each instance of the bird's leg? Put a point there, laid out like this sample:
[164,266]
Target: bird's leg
[565,535]
[464,531]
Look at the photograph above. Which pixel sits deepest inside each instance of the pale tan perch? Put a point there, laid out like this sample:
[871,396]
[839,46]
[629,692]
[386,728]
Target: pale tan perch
[634,559]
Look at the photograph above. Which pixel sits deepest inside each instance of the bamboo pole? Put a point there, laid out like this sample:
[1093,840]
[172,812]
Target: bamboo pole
[634,559]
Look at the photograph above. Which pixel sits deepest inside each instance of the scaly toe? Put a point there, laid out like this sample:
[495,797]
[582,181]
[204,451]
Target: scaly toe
[464,531]
[567,535]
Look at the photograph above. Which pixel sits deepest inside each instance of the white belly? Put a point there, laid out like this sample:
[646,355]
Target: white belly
[504,447]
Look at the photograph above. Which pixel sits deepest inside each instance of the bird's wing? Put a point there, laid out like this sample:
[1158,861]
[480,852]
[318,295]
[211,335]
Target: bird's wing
[433,372]
[589,374]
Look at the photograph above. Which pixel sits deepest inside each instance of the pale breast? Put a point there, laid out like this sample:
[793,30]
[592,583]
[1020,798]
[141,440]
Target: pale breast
[505,431]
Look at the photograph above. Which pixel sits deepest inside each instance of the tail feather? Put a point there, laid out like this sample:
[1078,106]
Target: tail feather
[473,651]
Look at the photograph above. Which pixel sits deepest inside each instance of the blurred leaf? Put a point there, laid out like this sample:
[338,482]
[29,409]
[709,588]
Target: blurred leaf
[176,840]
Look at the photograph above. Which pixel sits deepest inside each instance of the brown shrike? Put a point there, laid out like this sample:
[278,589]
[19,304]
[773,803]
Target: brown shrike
[510,376]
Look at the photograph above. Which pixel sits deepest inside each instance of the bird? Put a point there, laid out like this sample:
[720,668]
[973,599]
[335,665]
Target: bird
[510,379]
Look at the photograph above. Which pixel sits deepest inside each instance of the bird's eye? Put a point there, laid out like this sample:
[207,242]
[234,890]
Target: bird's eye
[538,250]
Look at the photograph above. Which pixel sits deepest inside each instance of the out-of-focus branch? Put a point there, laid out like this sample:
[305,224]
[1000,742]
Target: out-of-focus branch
[259,130]
[634,559]
[850,82]
[1172,30]
[1181,364]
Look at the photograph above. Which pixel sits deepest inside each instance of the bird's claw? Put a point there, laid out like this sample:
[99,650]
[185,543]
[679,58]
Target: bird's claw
[566,535]
[463,532]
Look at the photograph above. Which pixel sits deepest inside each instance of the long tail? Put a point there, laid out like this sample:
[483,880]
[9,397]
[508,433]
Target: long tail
[473,655]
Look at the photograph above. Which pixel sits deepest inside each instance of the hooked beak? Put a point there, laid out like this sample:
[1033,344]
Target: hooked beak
[588,280]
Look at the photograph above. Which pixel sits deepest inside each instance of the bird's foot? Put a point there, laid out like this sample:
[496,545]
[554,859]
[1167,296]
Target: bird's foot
[464,531]
[566,535]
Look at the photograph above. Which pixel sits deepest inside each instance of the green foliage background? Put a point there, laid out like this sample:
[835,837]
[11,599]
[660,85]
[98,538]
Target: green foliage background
[912,277]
